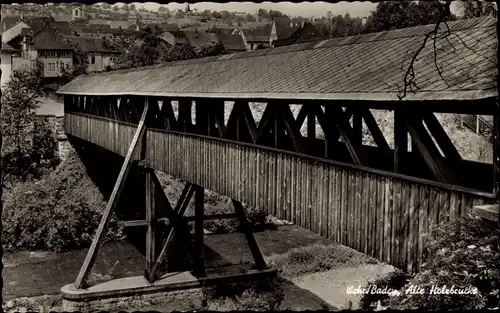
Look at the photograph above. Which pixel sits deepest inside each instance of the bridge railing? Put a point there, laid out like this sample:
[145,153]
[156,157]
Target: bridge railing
[386,215]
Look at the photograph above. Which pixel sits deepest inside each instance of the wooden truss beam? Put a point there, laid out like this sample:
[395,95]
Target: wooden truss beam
[174,215]
[341,121]
[442,138]
[260,263]
[401,120]
[374,129]
[429,151]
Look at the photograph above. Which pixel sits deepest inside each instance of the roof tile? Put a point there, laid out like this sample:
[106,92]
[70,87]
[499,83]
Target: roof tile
[362,67]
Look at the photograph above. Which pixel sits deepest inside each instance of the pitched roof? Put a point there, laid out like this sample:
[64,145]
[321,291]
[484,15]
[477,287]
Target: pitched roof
[232,42]
[199,38]
[285,32]
[63,27]
[8,22]
[38,23]
[7,48]
[282,21]
[92,44]
[259,34]
[363,67]
[180,36]
[48,39]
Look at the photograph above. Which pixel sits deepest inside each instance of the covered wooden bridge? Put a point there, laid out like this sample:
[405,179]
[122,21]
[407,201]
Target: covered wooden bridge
[376,199]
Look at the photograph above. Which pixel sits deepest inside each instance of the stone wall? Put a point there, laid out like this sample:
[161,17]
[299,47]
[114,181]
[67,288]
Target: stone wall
[175,300]
[57,123]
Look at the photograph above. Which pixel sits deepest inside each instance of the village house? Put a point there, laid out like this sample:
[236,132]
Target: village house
[102,54]
[24,46]
[232,43]
[198,39]
[175,38]
[286,32]
[257,38]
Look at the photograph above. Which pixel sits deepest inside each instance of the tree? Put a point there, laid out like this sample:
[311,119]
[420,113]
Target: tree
[273,14]
[261,13]
[132,7]
[26,139]
[474,8]
[126,7]
[216,15]
[206,13]
[250,18]
[179,14]
[225,15]
[401,14]
[80,65]
[115,8]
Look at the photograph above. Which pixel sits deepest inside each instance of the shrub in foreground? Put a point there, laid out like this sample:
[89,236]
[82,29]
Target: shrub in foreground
[59,212]
[465,259]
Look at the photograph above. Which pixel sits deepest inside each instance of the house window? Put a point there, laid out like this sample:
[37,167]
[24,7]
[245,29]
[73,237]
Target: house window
[92,60]
[51,67]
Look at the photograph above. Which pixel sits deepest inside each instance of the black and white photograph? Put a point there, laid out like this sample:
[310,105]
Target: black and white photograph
[263,156]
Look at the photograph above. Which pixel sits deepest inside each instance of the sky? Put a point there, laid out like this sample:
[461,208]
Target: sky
[304,9]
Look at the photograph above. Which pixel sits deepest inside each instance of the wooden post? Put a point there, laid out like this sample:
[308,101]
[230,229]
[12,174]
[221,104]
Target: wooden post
[276,125]
[400,138]
[357,126]
[311,125]
[113,200]
[199,266]
[151,222]
[260,263]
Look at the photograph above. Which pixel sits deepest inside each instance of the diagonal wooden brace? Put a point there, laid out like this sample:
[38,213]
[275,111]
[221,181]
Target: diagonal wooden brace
[113,200]
[260,263]
[177,222]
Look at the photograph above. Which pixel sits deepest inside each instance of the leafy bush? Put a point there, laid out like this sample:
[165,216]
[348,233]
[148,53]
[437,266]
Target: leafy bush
[59,212]
[393,281]
[468,258]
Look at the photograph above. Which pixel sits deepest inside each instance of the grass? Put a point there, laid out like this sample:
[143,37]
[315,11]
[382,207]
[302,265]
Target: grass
[317,258]
[218,204]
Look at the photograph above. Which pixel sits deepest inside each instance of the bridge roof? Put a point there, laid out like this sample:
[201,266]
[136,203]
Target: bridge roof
[364,67]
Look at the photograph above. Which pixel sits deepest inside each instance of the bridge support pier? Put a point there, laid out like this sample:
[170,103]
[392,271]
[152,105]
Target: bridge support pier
[160,214]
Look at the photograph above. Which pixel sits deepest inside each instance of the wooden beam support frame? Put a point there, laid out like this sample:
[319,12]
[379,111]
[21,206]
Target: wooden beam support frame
[372,126]
[151,223]
[177,225]
[260,263]
[429,151]
[113,200]
[199,241]
[341,119]
[442,138]
[166,221]
[400,137]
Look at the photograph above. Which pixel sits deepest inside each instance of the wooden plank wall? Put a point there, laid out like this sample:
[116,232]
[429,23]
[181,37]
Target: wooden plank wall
[383,216]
